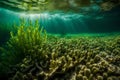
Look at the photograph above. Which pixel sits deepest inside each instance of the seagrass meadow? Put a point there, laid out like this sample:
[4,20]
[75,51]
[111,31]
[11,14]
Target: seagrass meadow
[59,39]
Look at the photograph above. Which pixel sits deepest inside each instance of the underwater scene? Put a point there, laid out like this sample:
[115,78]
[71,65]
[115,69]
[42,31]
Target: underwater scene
[59,39]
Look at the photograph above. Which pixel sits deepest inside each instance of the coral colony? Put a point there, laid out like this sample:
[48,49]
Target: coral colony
[32,54]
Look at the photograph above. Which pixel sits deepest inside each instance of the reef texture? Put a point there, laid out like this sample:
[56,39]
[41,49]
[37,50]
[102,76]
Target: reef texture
[52,5]
[74,59]
[32,55]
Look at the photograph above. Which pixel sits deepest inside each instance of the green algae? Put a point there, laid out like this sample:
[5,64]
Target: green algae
[22,43]
[31,54]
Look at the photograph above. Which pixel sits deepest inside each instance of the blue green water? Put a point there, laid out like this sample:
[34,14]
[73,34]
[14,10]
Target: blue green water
[60,22]
[63,23]
[92,34]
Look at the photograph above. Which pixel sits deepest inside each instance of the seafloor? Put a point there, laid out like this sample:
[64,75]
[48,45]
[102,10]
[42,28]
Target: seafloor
[32,54]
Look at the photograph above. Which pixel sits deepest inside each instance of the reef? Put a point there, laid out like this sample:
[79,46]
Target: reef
[32,54]
[74,59]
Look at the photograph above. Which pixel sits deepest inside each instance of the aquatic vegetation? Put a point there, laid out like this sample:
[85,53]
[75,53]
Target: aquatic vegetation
[77,59]
[32,54]
[23,43]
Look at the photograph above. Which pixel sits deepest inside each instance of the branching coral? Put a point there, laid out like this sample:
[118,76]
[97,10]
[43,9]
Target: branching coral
[54,58]
[81,62]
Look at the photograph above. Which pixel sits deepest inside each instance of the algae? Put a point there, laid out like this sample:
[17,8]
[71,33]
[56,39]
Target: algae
[22,43]
[32,54]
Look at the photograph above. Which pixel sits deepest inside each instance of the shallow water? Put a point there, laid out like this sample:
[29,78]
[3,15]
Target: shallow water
[73,44]
[63,23]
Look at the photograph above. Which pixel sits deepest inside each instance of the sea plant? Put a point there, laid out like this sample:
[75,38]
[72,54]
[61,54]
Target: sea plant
[25,42]
[59,58]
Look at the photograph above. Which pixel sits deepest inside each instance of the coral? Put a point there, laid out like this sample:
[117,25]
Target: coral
[56,58]
[99,77]
[65,61]
[87,72]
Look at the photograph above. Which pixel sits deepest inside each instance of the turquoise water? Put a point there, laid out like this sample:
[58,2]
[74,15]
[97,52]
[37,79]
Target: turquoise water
[62,23]
[60,45]
[70,22]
